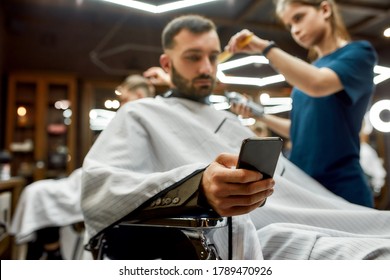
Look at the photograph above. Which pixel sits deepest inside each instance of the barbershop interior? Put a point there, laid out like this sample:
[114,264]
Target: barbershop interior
[62,63]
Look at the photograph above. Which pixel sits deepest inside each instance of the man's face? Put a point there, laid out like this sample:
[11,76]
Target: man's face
[192,63]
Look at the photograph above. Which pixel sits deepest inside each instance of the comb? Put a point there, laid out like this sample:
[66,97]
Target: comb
[225,55]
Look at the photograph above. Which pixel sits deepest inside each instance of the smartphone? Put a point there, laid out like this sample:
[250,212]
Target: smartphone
[261,154]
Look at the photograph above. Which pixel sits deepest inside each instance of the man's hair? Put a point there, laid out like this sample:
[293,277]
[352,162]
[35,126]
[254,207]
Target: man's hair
[194,23]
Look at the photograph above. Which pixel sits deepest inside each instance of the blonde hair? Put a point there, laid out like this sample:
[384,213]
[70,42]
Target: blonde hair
[137,81]
[337,24]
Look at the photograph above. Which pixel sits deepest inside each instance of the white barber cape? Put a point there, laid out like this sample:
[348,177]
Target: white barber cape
[153,143]
[304,220]
[150,145]
[47,203]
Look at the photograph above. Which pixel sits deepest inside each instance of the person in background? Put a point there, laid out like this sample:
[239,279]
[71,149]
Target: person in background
[134,87]
[370,161]
[330,95]
[47,205]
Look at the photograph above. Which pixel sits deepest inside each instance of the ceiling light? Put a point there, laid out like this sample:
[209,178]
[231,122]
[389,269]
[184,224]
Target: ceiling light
[253,59]
[260,82]
[157,9]
[267,100]
[386,33]
[375,115]
[383,73]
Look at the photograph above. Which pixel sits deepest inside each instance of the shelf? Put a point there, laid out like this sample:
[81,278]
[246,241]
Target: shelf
[25,127]
[43,124]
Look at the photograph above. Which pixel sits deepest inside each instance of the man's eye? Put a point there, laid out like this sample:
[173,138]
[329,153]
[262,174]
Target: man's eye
[193,58]
[213,58]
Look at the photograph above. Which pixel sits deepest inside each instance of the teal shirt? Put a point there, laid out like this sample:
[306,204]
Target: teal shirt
[325,130]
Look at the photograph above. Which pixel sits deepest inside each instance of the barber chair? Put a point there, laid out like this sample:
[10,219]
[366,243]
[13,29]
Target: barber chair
[179,238]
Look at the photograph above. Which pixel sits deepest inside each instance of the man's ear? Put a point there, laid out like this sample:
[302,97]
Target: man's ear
[165,62]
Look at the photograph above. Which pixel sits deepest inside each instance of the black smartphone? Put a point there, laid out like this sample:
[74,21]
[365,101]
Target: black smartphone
[261,154]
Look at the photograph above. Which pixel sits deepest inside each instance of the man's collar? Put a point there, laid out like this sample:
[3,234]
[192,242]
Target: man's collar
[176,93]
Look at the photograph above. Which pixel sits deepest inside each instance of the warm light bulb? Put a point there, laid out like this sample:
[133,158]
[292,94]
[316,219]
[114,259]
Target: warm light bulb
[21,111]
[115,104]
[108,104]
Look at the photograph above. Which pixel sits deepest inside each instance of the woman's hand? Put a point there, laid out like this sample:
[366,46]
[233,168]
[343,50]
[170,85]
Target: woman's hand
[255,46]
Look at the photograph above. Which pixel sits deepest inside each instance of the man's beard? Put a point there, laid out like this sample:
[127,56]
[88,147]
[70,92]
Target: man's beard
[187,89]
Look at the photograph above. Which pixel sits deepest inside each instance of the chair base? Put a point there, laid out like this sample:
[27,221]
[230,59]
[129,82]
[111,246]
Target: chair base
[149,243]
[181,238]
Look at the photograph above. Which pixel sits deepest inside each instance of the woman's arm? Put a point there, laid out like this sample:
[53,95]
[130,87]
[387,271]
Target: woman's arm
[277,124]
[314,81]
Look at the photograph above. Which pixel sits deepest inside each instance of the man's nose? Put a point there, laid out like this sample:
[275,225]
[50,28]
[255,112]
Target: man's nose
[206,66]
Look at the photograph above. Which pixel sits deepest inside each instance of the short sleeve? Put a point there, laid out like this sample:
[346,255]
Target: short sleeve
[354,66]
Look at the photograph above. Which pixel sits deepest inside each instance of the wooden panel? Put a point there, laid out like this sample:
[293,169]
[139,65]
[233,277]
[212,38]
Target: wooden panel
[15,186]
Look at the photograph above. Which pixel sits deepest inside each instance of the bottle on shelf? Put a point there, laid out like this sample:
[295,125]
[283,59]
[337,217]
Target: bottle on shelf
[5,165]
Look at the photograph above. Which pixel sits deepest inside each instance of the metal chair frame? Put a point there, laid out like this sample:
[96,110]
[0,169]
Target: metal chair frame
[195,228]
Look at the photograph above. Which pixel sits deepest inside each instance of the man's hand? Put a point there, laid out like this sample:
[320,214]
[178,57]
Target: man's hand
[231,191]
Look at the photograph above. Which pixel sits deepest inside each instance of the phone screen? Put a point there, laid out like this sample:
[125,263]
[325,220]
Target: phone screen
[261,154]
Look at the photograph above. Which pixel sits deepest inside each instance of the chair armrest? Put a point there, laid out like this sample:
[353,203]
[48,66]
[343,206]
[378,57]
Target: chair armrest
[186,222]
